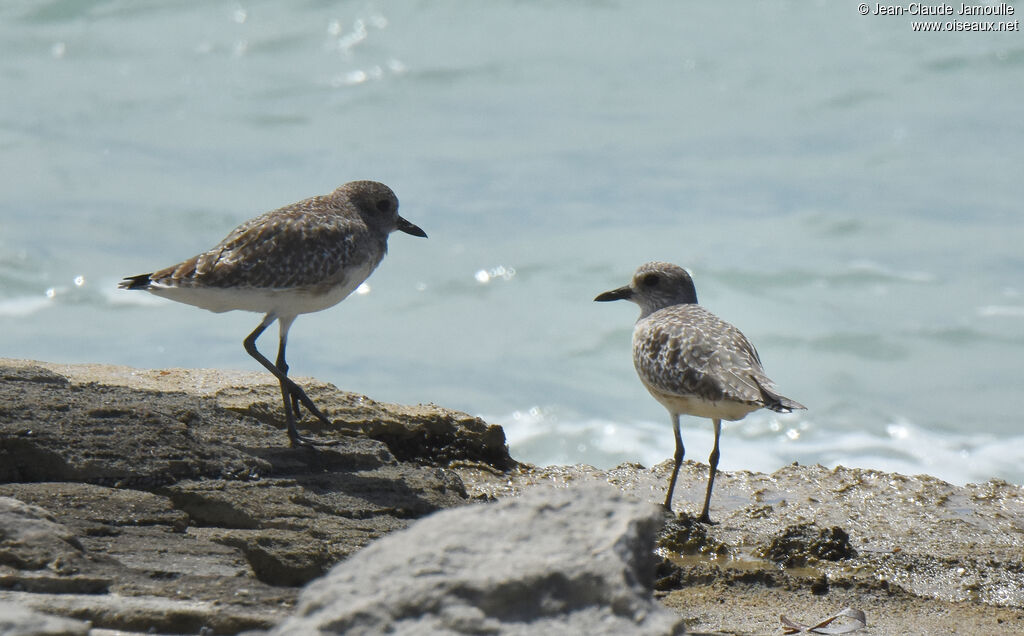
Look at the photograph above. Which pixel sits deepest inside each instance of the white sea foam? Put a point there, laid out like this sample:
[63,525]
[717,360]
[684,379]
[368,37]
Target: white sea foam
[996,311]
[765,443]
[25,305]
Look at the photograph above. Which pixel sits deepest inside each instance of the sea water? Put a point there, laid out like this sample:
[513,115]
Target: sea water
[844,189]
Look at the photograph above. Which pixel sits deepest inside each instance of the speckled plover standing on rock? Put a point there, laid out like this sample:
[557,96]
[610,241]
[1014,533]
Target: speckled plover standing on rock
[692,361]
[298,259]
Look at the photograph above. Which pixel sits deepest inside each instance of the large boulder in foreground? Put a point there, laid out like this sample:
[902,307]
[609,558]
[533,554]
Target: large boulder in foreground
[555,561]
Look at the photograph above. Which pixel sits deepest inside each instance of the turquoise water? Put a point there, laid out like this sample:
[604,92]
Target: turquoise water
[844,190]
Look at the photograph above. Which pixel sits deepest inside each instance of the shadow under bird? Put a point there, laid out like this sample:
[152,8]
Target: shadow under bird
[298,259]
[692,361]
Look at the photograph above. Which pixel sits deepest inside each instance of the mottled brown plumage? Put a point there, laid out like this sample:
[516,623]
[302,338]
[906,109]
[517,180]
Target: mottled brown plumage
[315,246]
[297,259]
[685,350]
[692,361]
[302,245]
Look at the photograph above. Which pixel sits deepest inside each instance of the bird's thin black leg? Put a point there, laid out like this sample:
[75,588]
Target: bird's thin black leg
[680,452]
[288,388]
[712,469]
[282,366]
[291,401]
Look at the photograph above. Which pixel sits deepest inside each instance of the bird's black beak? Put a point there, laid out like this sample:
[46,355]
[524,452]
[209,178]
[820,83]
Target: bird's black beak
[409,228]
[622,293]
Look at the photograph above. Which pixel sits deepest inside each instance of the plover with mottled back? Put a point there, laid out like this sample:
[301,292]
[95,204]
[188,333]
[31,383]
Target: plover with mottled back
[298,259]
[692,361]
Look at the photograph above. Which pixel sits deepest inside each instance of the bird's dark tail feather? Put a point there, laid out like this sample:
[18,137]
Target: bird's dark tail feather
[141,281]
[778,403]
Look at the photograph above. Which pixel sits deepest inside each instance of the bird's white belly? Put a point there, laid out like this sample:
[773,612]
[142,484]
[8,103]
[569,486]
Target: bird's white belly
[693,405]
[282,302]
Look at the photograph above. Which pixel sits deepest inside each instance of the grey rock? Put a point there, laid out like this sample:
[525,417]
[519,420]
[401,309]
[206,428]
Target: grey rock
[31,539]
[556,561]
[52,429]
[169,500]
[16,620]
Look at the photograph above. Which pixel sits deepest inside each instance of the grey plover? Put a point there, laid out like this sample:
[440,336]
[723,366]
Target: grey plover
[692,361]
[298,259]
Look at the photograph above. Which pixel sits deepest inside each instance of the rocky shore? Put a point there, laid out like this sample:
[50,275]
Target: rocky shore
[168,502]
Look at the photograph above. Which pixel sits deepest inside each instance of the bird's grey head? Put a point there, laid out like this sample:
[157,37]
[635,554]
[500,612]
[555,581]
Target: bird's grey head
[377,205]
[655,286]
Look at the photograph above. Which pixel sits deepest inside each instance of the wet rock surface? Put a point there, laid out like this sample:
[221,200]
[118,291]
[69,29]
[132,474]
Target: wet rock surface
[168,501]
[918,555]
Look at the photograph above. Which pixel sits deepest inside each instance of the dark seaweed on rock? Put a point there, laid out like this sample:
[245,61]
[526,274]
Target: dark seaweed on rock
[798,544]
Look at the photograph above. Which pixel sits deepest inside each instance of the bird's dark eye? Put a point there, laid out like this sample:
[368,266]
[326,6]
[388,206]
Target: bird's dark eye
[650,280]
[384,205]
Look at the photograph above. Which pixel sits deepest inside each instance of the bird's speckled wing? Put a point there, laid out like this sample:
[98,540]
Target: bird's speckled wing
[687,351]
[298,246]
